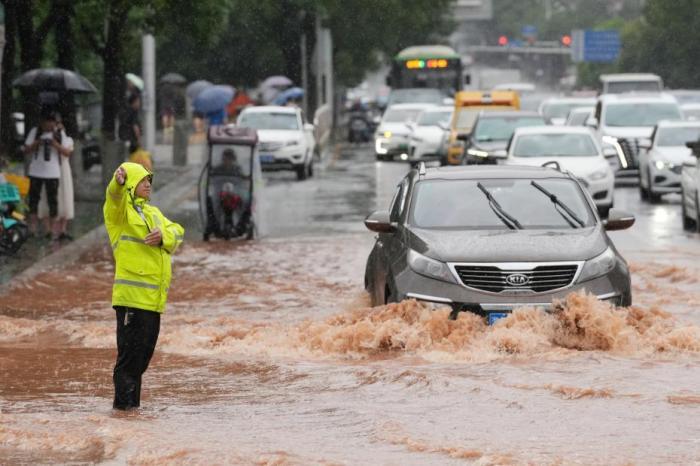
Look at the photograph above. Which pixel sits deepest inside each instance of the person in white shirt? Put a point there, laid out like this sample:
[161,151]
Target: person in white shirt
[44,150]
[66,201]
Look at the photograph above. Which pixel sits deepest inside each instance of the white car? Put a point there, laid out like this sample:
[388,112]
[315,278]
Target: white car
[624,122]
[285,141]
[556,109]
[575,149]
[392,136]
[660,166]
[690,193]
[429,136]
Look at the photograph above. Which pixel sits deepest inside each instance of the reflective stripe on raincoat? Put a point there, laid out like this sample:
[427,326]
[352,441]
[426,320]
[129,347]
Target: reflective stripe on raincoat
[142,272]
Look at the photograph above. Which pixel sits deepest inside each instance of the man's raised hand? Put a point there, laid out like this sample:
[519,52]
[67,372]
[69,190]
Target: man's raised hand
[120,175]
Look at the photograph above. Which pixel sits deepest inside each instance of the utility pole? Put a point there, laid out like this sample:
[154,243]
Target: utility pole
[304,65]
[148,101]
[319,62]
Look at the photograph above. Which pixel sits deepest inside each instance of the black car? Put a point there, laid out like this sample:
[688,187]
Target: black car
[490,238]
[492,131]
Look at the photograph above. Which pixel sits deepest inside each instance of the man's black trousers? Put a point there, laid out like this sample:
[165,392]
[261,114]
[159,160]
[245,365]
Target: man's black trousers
[137,334]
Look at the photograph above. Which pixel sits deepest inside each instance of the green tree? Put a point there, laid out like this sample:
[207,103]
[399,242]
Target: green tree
[665,42]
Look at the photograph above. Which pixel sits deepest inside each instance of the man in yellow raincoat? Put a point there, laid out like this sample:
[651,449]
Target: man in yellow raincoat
[143,241]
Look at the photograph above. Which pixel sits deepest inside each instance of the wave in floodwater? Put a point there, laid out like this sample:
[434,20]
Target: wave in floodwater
[582,324]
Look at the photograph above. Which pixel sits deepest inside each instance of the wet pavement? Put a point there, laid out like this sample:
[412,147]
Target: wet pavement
[269,353]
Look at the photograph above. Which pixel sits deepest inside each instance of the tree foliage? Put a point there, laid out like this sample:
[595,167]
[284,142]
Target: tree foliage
[665,42]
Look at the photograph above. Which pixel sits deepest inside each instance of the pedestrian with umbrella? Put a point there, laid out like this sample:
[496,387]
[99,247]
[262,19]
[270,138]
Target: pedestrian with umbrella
[48,147]
[212,102]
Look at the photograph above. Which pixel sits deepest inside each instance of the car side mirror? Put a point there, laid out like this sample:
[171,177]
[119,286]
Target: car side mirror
[618,220]
[380,222]
[646,145]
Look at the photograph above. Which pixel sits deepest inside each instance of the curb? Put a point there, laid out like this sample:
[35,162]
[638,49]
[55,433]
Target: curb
[70,253]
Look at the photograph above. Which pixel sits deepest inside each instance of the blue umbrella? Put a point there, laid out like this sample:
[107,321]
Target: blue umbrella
[213,98]
[292,93]
[194,88]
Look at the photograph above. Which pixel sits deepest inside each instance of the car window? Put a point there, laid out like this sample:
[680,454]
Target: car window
[641,113]
[555,145]
[502,128]
[460,204]
[620,87]
[269,120]
[666,137]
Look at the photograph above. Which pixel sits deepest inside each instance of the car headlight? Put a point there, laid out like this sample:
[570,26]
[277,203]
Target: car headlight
[663,165]
[477,153]
[429,267]
[598,175]
[387,134]
[294,142]
[598,266]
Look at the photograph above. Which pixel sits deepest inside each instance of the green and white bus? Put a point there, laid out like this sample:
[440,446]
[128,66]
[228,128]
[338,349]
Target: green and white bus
[427,66]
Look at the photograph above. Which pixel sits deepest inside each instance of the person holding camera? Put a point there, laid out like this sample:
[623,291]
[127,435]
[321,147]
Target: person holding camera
[44,147]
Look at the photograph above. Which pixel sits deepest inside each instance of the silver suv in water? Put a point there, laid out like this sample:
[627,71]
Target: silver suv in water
[490,238]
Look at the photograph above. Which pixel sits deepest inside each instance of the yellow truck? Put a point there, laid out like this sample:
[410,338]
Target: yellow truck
[468,104]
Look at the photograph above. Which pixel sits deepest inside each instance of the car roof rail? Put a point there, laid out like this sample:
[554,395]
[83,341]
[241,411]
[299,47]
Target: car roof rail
[421,169]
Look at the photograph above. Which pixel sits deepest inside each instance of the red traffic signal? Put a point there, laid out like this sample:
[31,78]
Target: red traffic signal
[503,41]
[566,40]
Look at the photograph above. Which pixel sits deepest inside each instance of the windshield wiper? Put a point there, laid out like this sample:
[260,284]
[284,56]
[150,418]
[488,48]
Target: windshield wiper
[557,203]
[504,216]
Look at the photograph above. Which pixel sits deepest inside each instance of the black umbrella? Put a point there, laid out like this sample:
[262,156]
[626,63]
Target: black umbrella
[173,78]
[54,79]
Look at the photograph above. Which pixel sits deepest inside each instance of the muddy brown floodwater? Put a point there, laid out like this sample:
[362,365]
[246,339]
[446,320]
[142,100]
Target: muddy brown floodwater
[269,354]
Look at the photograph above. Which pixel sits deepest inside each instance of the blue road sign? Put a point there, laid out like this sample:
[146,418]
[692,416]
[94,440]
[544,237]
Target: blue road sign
[529,31]
[595,46]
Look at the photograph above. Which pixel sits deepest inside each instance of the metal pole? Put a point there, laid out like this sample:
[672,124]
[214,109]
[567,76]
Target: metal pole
[319,62]
[149,92]
[304,76]
[328,67]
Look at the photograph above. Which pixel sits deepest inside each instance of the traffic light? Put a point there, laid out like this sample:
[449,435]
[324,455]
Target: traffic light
[503,41]
[566,40]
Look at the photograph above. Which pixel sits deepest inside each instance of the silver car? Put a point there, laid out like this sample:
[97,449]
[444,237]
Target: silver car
[490,238]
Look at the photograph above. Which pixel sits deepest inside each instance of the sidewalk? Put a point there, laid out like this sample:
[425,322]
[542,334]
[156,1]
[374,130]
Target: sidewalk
[39,253]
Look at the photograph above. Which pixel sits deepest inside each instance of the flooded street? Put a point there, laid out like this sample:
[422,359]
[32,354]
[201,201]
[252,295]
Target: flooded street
[270,354]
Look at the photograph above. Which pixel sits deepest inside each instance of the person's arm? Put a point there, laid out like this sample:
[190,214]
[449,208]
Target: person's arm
[31,143]
[65,147]
[172,236]
[116,199]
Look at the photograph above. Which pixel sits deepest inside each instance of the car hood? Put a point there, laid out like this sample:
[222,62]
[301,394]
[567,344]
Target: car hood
[579,166]
[430,133]
[674,154]
[396,128]
[278,135]
[508,245]
[490,146]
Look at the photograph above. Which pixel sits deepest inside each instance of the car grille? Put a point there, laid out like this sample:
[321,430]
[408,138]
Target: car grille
[538,279]
[630,149]
[270,146]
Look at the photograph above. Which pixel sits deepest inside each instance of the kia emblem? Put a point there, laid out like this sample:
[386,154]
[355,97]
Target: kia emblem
[517,279]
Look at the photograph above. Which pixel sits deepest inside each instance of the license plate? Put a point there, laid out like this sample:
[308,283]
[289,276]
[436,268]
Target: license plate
[266,158]
[494,316]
